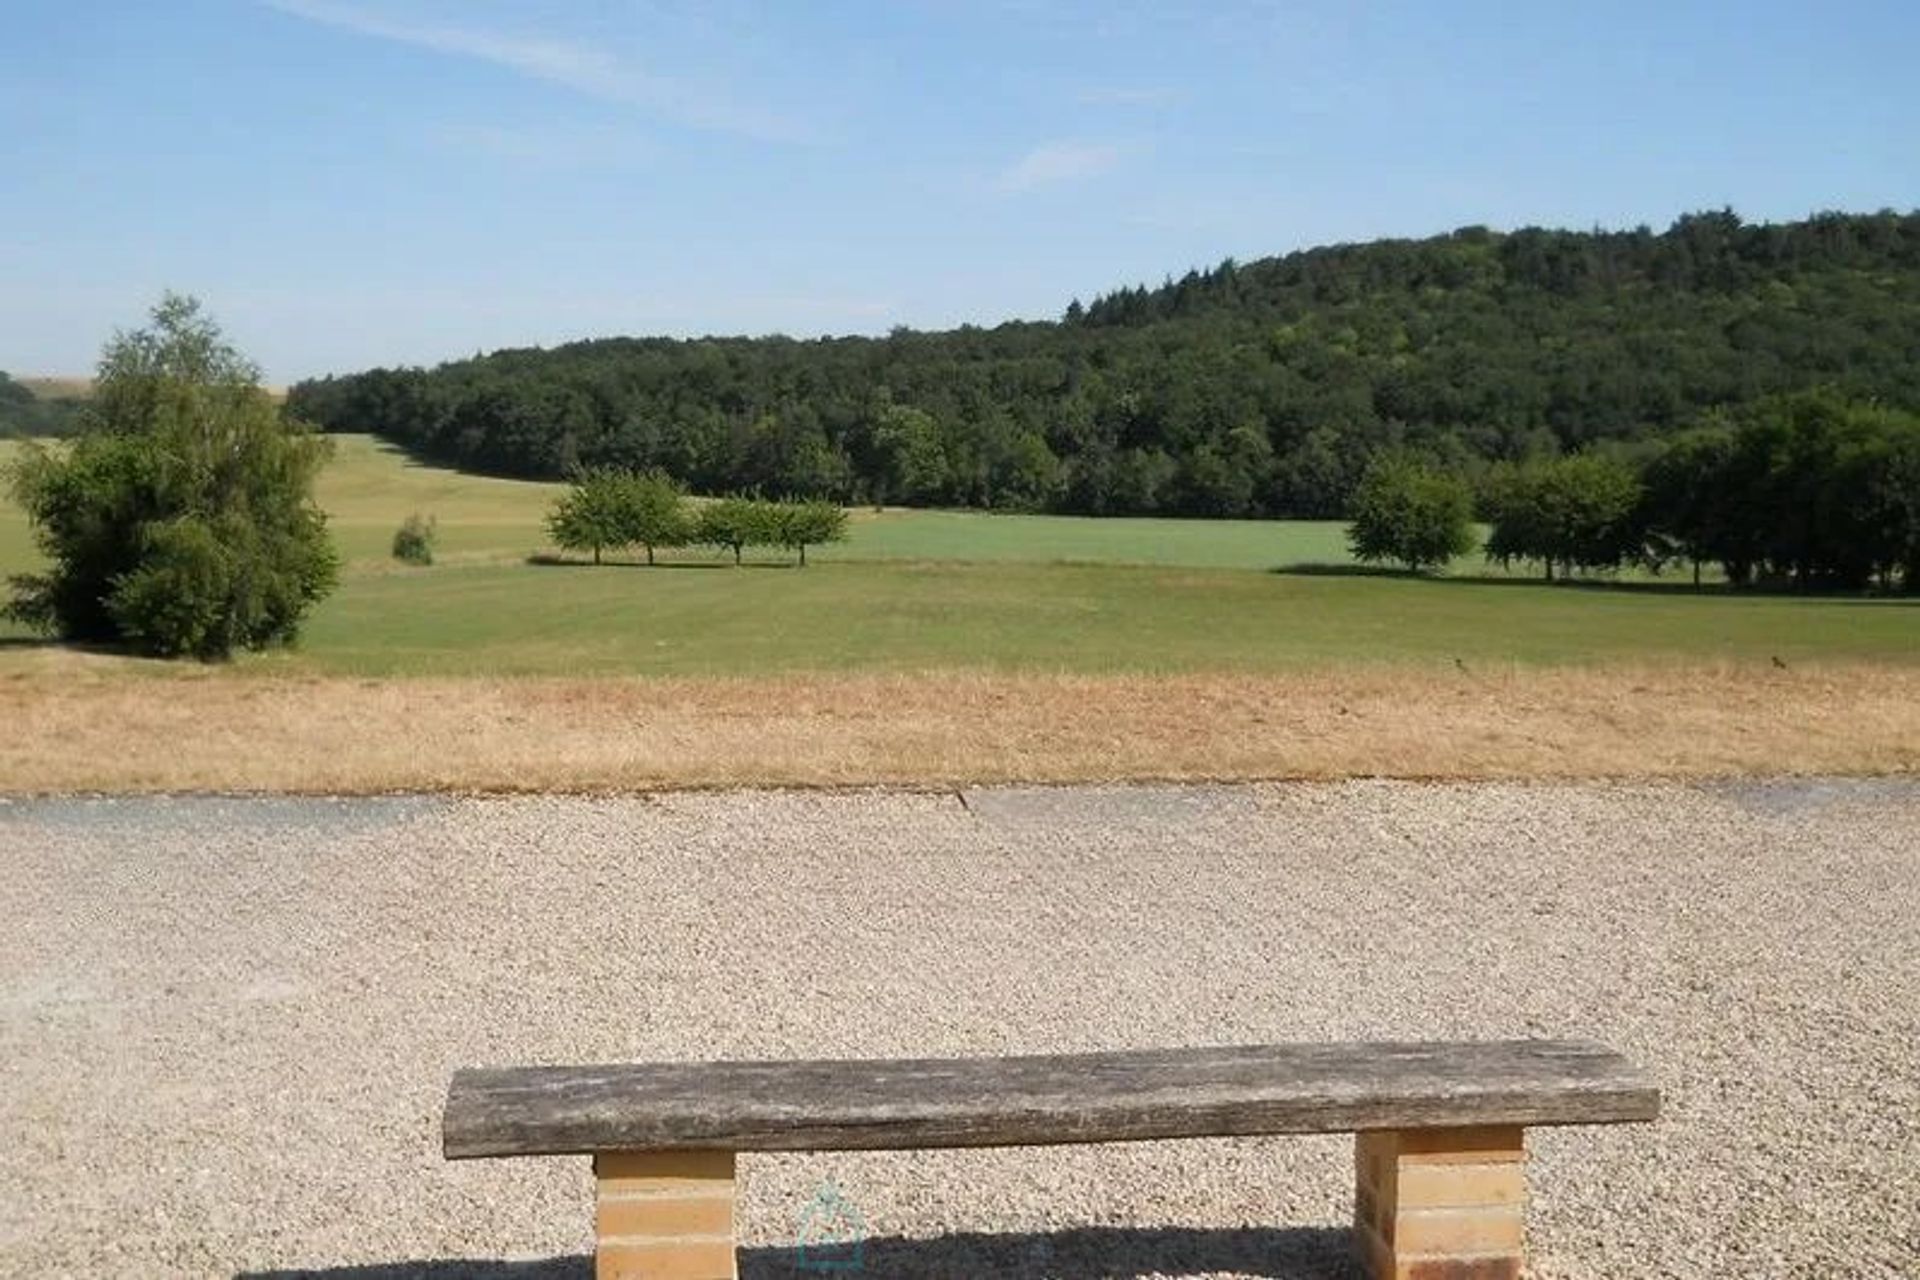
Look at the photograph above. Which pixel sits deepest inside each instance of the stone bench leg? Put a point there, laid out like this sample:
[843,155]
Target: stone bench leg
[664,1215]
[1441,1204]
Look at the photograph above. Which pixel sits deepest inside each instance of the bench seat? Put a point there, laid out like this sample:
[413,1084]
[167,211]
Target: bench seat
[1440,1127]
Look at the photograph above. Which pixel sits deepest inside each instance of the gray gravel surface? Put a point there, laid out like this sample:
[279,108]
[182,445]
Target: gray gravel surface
[226,1025]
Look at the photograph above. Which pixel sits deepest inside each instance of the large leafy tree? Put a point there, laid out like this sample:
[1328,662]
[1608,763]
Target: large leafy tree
[1687,506]
[909,463]
[181,520]
[1410,512]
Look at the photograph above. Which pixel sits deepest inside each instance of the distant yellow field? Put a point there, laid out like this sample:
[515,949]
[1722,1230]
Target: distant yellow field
[370,486]
[16,543]
[52,388]
[55,387]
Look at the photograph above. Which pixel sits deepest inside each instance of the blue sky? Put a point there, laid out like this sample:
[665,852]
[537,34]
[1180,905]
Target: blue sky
[357,182]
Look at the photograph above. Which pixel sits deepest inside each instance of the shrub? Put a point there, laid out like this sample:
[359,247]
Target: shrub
[181,521]
[413,540]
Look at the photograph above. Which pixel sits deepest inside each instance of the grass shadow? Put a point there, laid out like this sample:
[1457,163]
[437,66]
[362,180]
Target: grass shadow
[548,560]
[1609,585]
[415,459]
[1630,586]
[1324,569]
[1081,1253]
[95,648]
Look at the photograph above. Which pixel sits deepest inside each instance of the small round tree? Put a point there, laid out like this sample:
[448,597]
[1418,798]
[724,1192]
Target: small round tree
[798,525]
[653,512]
[736,523]
[592,515]
[1407,511]
[181,521]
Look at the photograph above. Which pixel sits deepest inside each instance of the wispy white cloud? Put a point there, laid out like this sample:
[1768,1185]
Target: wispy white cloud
[571,64]
[1056,162]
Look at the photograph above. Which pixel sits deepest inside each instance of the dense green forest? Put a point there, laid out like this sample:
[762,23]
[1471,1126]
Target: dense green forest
[24,414]
[1249,389]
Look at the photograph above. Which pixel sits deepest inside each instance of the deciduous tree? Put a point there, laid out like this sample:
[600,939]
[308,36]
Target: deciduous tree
[735,523]
[1408,511]
[653,512]
[593,514]
[1579,512]
[798,525]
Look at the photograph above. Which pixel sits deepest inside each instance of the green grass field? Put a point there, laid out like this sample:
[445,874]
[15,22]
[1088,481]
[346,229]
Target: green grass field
[913,590]
[16,546]
[1200,544]
[905,616]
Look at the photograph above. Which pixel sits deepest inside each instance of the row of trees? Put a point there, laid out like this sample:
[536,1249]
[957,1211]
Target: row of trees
[1809,490]
[1584,512]
[1257,389]
[608,509]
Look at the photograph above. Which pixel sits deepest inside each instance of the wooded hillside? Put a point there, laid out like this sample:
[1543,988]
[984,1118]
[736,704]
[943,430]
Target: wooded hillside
[1255,389]
[23,413]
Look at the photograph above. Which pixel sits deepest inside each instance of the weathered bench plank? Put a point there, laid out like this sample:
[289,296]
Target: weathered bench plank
[1026,1101]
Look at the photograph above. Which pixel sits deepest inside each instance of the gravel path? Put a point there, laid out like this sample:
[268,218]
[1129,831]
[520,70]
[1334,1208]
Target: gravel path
[226,1025]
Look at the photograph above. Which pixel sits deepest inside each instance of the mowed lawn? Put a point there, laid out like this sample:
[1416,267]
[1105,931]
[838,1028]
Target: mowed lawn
[911,616]
[929,590]
[16,544]
[979,536]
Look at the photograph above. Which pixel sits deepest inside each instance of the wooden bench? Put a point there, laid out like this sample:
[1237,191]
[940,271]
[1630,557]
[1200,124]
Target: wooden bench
[1440,1186]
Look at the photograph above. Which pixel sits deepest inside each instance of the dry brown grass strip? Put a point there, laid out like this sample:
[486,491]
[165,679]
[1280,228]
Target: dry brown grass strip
[77,725]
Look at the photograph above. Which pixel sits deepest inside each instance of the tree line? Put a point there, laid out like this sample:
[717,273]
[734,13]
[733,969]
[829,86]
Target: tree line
[1258,389]
[1809,490]
[608,508]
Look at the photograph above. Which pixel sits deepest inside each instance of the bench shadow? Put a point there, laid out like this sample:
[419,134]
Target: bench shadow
[1080,1253]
